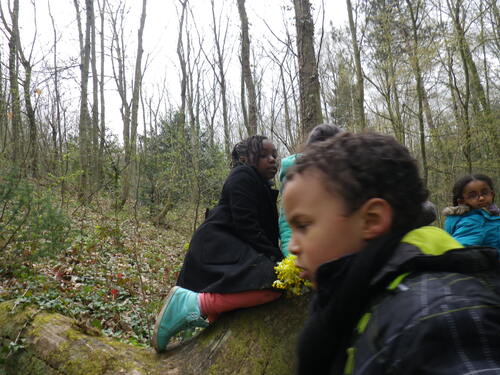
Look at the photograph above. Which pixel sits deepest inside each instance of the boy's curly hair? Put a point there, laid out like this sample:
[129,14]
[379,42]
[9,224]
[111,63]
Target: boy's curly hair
[359,167]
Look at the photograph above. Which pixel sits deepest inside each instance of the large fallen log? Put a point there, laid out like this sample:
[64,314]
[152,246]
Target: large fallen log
[258,340]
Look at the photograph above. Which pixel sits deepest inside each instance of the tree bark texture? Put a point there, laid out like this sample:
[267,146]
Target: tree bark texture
[258,340]
[360,91]
[417,72]
[84,123]
[182,62]
[221,78]
[14,87]
[247,71]
[94,129]
[310,102]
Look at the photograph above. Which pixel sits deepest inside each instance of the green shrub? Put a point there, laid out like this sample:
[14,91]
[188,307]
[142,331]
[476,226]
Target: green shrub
[31,226]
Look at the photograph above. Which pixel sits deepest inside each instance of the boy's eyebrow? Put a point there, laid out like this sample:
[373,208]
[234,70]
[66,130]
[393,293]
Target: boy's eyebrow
[294,218]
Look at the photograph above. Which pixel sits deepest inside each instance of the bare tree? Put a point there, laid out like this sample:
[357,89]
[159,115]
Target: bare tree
[416,13]
[15,108]
[475,90]
[220,73]
[310,100]
[360,97]
[182,62]
[56,123]
[129,110]
[84,123]
[94,129]
[247,71]
[102,128]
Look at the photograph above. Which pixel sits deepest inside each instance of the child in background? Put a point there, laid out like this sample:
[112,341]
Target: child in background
[318,134]
[231,257]
[392,298]
[474,219]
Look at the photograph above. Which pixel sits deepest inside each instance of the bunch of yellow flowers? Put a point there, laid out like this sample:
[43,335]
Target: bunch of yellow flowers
[288,275]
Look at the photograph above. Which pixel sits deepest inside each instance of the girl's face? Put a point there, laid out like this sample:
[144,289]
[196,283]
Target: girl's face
[321,229]
[266,162]
[477,194]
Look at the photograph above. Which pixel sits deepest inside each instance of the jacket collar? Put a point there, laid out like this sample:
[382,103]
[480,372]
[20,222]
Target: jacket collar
[426,248]
[432,249]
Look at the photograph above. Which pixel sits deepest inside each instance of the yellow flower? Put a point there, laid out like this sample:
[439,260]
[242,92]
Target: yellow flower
[288,277]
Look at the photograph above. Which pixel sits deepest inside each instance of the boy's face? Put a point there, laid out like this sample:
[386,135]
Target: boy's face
[321,230]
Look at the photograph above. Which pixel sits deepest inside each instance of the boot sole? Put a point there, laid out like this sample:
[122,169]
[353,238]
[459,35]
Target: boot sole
[166,301]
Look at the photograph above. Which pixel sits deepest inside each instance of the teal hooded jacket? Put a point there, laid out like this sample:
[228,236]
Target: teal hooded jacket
[473,227]
[285,230]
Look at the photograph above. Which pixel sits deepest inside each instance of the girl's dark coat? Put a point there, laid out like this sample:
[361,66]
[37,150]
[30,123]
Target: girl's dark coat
[237,246]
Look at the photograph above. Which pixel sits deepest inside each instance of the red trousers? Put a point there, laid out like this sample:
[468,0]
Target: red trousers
[212,304]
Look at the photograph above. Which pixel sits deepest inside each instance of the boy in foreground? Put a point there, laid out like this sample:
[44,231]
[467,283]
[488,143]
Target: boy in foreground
[391,298]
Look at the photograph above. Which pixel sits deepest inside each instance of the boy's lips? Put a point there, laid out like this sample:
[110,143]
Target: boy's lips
[303,272]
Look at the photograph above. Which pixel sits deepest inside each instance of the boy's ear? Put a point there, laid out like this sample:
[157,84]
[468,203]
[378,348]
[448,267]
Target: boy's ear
[377,218]
[460,201]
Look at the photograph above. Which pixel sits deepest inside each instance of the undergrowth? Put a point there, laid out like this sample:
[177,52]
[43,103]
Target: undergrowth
[113,274]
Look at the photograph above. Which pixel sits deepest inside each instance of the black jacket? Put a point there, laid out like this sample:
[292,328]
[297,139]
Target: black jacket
[237,246]
[429,309]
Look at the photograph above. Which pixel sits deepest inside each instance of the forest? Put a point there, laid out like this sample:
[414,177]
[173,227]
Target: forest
[110,153]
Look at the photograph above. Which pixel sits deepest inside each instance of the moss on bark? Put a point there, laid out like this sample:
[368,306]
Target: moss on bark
[259,340]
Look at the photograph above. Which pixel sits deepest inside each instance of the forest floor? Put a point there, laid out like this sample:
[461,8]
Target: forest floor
[112,277]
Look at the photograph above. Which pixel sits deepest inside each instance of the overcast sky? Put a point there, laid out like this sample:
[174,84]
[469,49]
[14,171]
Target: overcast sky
[161,30]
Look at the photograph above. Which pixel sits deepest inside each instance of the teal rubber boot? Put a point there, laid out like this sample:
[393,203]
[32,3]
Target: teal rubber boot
[180,311]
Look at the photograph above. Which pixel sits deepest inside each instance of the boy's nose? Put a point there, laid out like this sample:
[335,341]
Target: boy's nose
[293,246]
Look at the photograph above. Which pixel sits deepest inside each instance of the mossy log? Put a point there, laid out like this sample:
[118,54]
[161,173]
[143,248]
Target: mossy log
[258,340]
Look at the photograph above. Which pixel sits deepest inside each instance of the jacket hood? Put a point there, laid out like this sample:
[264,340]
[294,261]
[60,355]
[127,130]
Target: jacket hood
[463,209]
[455,210]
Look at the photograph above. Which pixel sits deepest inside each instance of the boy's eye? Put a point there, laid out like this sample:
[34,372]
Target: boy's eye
[301,226]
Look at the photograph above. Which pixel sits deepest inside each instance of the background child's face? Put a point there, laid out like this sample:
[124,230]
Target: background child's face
[267,165]
[477,194]
[321,231]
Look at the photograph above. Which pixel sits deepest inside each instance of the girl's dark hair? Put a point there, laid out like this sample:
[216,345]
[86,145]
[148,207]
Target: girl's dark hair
[359,167]
[458,188]
[322,132]
[249,148]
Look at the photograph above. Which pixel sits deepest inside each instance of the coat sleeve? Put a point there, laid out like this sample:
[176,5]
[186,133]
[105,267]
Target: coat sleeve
[469,230]
[244,200]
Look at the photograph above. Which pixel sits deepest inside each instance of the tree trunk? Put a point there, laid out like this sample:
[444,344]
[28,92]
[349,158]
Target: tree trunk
[310,101]
[15,109]
[247,71]
[84,123]
[480,104]
[417,72]
[137,86]
[56,135]
[102,130]
[360,92]
[182,62]
[259,340]
[94,129]
[221,78]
